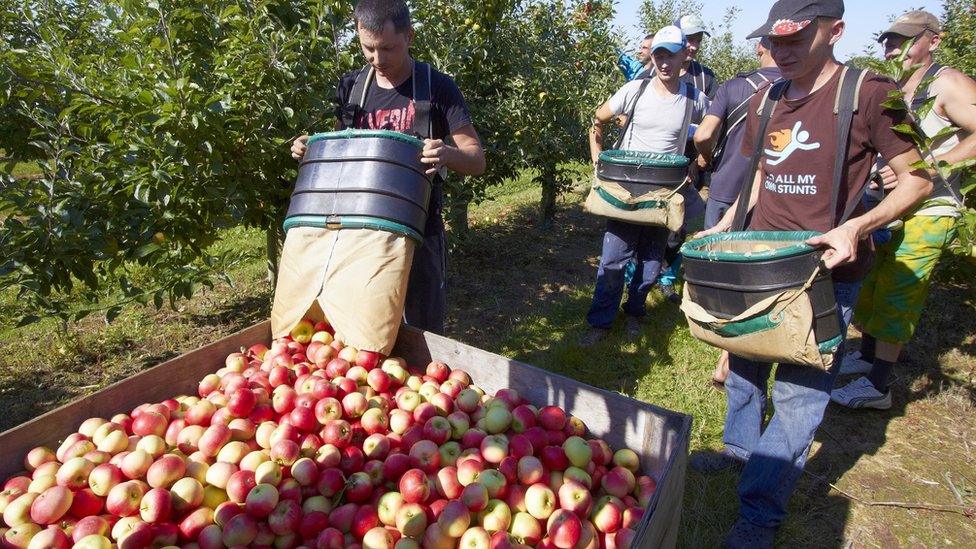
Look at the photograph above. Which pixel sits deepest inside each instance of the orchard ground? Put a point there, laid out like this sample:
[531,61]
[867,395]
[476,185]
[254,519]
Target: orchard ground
[874,479]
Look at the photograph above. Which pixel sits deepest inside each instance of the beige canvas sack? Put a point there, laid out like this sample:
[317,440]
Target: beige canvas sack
[660,207]
[356,279]
[778,329]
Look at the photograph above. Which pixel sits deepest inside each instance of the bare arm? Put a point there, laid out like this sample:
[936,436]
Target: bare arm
[706,136]
[602,116]
[913,187]
[957,97]
[465,157]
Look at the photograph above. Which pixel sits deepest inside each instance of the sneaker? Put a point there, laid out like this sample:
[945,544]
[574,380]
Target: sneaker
[746,535]
[852,364]
[670,294]
[593,336]
[861,393]
[705,461]
[634,327]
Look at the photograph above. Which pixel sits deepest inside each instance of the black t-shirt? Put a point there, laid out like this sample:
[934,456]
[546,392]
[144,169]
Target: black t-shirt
[393,109]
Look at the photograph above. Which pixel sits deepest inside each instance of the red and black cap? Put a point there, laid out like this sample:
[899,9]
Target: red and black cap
[788,17]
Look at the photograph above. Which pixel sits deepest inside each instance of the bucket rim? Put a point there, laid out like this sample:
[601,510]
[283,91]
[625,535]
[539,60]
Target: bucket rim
[698,248]
[643,158]
[360,134]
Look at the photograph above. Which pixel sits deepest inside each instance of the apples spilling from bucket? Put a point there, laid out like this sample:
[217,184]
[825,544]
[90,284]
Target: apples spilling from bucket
[312,443]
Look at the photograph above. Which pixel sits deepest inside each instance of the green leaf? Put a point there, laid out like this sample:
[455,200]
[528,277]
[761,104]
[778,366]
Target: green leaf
[112,313]
[146,249]
[28,319]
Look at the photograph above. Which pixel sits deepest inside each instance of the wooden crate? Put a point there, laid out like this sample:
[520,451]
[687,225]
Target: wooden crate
[659,436]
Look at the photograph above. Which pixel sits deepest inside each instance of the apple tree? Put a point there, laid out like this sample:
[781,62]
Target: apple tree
[156,123]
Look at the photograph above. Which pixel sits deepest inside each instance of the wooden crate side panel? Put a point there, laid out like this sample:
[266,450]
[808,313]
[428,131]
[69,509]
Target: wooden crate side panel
[180,375]
[653,432]
[660,436]
[666,505]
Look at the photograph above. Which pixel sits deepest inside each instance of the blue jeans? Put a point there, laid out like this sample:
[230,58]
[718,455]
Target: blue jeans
[776,455]
[714,211]
[621,243]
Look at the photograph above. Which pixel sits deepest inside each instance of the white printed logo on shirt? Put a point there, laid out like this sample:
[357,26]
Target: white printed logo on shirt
[786,142]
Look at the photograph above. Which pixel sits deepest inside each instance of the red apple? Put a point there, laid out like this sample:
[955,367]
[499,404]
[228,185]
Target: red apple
[51,505]
[564,529]
[552,418]
[413,486]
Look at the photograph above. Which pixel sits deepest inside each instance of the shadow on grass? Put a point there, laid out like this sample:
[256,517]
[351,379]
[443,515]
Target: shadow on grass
[237,313]
[934,363]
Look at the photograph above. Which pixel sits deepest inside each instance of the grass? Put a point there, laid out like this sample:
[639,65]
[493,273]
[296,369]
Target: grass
[523,291]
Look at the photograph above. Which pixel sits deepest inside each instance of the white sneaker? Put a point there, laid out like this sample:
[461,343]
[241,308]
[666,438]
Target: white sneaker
[861,393]
[852,364]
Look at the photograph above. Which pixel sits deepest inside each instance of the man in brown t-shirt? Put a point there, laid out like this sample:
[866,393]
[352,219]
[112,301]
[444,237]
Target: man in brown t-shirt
[792,191]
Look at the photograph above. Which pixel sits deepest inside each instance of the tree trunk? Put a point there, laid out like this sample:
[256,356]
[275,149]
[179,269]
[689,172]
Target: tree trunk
[547,205]
[457,218]
[274,242]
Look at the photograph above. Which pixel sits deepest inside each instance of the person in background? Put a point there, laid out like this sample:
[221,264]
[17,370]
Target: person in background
[657,126]
[385,35]
[633,66]
[719,140]
[704,79]
[693,71]
[891,302]
[800,144]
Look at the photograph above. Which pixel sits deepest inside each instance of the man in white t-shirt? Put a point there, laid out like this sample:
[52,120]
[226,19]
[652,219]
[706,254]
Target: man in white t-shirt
[657,125]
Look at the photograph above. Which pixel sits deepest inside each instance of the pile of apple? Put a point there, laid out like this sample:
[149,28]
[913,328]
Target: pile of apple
[315,444]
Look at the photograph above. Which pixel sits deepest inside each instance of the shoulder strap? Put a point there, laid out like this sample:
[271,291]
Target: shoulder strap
[845,105]
[773,94]
[357,96]
[757,80]
[422,122]
[922,95]
[630,113]
[689,93]
[738,114]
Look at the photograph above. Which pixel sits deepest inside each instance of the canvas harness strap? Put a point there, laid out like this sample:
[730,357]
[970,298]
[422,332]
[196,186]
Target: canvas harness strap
[422,123]
[845,105]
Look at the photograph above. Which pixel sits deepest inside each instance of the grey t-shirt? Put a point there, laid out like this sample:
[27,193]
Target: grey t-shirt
[658,120]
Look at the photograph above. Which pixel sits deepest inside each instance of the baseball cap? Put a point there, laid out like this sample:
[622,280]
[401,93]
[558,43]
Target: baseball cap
[912,24]
[670,38]
[691,24]
[788,17]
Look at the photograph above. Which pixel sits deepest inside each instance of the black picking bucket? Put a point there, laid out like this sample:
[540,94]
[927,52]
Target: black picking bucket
[642,172]
[729,272]
[362,179]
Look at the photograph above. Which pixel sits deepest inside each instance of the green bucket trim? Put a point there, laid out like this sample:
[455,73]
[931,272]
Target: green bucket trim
[699,248]
[831,345]
[616,203]
[745,327]
[763,323]
[353,222]
[354,134]
[641,158]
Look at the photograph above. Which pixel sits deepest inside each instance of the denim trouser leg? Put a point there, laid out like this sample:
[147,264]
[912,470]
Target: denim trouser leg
[778,453]
[650,254]
[714,211]
[619,246]
[425,306]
